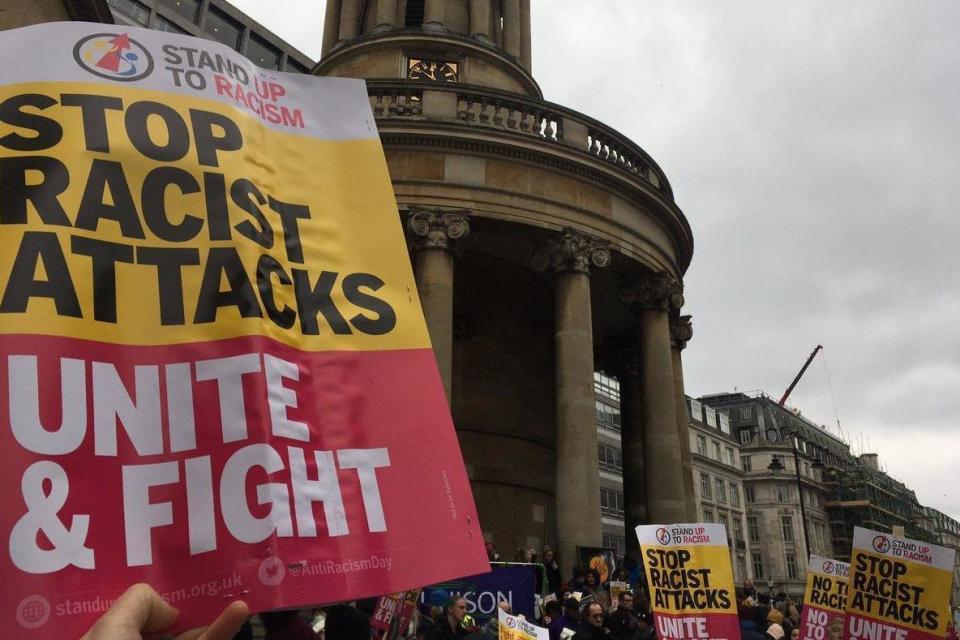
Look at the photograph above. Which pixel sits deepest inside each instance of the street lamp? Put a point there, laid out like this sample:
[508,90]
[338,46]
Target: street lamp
[776,466]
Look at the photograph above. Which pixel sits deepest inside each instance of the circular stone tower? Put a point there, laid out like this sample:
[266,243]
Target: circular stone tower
[546,246]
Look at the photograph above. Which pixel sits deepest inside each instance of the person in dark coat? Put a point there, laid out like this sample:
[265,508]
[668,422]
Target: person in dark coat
[450,625]
[592,626]
[622,622]
[554,577]
[286,625]
[346,623]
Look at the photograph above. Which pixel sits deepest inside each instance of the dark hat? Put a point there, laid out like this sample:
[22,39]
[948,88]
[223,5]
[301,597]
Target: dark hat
[346,623]
[571,603]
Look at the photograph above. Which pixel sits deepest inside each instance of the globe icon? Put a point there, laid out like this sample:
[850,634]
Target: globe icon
[33,612]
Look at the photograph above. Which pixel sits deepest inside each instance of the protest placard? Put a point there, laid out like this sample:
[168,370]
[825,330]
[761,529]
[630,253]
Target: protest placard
[603,560]
[899,589]
[217,375]
[516,628]
[691,581]
[825,598]
[514,584]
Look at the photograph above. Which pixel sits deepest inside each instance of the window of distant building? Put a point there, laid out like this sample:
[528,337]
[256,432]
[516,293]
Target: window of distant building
[786,526]
[746,413]
[707,515]
[189,9]
[296,67]
[711,417]
[749,495]
[757,566]
[701,445]
[783,493]
[611,502]
[746,435]
[734,494]
[731,457]
[724,422]
[617,543]
[705,488]
[721,489]
[134,10]
[753,528]
[742,567]
[223,28]
[608,417]
[716,451]
[160,23]
[724,519]
[696,410]
[791,566]
[610,458]
[737,529]
[745,463]
[606,386]
[262,53]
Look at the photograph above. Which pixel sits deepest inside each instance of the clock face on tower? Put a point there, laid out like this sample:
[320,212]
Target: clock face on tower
[437,70]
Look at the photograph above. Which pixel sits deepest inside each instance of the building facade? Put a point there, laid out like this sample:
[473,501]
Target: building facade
[718,481]
[780,515]
[546,246]
[944,531]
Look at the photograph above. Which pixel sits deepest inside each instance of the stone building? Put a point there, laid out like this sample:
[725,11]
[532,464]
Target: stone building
[944,531]
[777,523]
[546,246]
[718,481]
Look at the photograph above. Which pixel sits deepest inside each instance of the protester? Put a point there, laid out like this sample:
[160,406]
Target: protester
[571,615]
[795,634]
[748,625]
[576,582]
[492,554]
[835,629]
[592,626]
[140,611]
[450,625]
[554,576]
[346,623]
[553,619]
[622,622]
[775,632]
[645,628]
[592,587]
[491,629]
[289,625]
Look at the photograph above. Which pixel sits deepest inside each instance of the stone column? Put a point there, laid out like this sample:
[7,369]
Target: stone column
[433,14]
[480,19]
[511,27]
[386,15]
[525,54]
[331,26]
[631,444]
[681,330]
[349,19]
[652,297]
[570,256]
[434,235]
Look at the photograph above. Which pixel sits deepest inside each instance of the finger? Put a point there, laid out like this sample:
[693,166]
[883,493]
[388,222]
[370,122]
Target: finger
[224,627]
[139,609]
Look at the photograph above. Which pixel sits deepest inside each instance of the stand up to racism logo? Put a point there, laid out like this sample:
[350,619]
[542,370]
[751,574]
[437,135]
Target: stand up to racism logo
[114,56]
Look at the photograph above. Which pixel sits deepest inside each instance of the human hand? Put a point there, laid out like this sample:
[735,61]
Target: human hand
[141,613]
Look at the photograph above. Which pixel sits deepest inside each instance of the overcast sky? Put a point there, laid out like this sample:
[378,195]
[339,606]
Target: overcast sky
[815,149]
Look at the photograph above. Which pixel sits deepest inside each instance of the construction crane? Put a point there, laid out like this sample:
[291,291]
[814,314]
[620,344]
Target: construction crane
[786,394]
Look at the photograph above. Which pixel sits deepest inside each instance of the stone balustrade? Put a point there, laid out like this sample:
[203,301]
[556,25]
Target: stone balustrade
[483,107]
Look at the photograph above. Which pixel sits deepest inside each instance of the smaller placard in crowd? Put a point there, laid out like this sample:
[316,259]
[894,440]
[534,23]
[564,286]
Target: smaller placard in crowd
[825,599]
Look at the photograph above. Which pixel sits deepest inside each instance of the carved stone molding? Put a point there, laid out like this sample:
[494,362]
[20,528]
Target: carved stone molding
[681,331]
[656,291]
[434,229]
[571,250]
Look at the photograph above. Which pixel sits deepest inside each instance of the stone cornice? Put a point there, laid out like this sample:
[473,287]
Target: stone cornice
[413,134]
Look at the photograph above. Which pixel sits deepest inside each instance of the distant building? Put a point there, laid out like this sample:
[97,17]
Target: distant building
[774,513]
[946,532]
[719,481]
[211,19]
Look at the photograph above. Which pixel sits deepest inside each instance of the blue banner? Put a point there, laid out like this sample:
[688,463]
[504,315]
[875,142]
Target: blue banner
[515,584]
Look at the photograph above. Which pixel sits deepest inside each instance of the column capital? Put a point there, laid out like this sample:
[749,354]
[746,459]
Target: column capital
[656,291]
[437,229]
[571,250]
[681,331]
